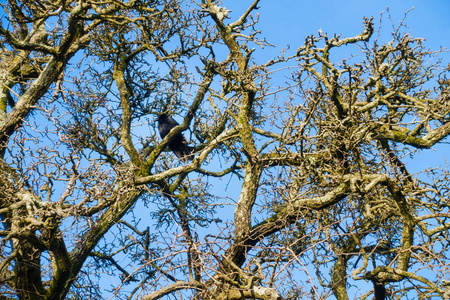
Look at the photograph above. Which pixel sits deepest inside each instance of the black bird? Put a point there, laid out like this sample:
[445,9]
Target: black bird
[178,144]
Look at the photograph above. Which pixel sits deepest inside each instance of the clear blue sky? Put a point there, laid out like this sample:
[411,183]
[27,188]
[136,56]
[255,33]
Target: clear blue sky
[287,22]
[284,22]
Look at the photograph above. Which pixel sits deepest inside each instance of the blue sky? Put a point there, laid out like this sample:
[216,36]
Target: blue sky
[285,21]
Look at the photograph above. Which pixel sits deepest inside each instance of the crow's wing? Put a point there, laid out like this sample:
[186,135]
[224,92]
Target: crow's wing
[178,144]
[179,147]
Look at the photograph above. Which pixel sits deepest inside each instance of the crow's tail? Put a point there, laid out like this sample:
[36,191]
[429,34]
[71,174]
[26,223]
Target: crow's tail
[183,152]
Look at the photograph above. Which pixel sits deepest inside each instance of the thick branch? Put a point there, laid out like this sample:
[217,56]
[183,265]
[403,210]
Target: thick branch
[179,285]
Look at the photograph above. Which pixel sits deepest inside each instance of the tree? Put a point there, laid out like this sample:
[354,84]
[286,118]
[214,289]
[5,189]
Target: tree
[325,199]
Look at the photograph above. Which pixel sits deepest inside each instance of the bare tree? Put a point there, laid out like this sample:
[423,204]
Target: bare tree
[89,191]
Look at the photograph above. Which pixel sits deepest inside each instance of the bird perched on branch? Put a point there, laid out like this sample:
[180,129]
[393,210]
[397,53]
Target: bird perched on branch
[178,144]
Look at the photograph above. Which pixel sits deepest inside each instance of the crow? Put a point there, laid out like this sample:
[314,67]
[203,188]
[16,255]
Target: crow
[178,144]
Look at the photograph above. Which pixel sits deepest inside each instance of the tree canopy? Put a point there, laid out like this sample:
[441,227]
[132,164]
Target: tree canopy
[296,187]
